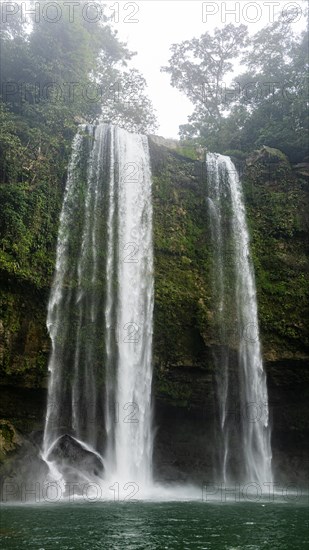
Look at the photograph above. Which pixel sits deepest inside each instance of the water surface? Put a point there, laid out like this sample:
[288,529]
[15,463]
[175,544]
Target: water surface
[156,525]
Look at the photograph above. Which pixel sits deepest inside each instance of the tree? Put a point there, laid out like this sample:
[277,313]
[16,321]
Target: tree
[127,105]
[55,75]
[277,105]
[200,68]
[266,104]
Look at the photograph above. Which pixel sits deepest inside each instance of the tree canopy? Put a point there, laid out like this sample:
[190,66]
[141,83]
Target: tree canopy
[54,75]
[266,104]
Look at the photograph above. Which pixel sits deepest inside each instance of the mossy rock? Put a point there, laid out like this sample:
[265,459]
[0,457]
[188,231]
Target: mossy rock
[9,439]
[277,205]
[270,155]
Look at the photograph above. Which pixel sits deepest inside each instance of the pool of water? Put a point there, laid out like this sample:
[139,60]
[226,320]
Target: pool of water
[156,525]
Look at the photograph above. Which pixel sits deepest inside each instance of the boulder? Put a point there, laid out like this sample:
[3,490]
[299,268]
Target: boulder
[72,456]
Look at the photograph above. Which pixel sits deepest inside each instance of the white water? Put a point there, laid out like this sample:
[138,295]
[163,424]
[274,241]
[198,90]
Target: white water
[130,446]
[100,317]
[101,306]
[237,322]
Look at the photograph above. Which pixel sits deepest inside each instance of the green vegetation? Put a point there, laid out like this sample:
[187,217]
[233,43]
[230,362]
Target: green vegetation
[8,438]
[277,207]
[181,265]
[265,105]
[54,77]
[36,131]
[28,229]
[24,344]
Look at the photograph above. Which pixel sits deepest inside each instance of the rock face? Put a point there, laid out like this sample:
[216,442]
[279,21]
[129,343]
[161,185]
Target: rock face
[277,205]
[9,438]
[71,457]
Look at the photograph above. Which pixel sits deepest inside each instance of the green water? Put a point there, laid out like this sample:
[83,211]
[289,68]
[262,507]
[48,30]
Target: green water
[155,525]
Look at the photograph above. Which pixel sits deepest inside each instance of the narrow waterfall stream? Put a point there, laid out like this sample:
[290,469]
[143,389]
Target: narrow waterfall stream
[244,440]
[98,421]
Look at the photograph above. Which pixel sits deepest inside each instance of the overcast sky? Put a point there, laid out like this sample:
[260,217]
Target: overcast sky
[160,23]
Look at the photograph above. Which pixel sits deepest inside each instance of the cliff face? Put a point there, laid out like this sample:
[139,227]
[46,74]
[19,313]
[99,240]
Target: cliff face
[277,210]
[184,335]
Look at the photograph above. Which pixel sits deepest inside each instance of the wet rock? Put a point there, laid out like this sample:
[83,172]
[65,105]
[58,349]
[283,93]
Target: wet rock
[72,457]
[9,439]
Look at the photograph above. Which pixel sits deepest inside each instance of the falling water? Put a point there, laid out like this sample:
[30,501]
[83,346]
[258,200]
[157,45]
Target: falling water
[100,313]
[244,432]
[130,443]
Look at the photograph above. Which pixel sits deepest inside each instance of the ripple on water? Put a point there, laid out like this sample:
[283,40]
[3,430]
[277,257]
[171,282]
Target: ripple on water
[150,526]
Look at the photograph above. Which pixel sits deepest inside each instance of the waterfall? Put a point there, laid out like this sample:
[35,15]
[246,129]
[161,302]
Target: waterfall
[244,434]
[98,419]
[130,446]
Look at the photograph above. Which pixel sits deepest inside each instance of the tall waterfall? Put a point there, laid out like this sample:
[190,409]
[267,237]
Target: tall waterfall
[98,420]
[130,443]
[244,434]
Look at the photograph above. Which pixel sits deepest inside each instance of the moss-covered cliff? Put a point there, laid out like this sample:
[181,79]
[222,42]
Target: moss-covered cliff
[28,233]
[278,212]
[184,333]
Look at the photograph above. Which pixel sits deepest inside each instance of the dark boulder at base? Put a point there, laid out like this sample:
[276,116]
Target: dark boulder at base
[74,460]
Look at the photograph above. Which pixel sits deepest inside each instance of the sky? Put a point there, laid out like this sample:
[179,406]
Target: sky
[150,27]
